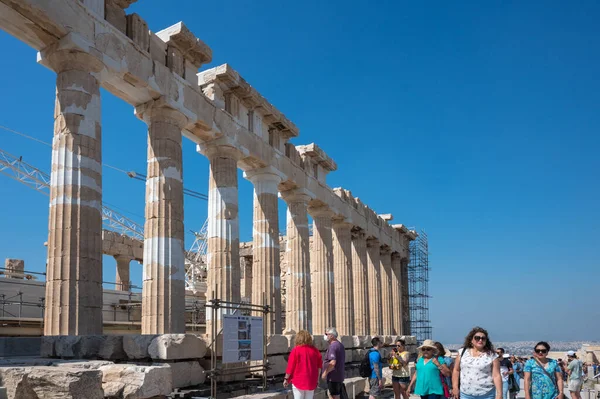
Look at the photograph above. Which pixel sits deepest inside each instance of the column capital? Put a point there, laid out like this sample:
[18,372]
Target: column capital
[296,195]
[320,211]
[372,242]
[123,257]
[385,250]
[211,151]
[396,256]
[159,110]
[358,233]
[264,174]
[340,223]
[72,52]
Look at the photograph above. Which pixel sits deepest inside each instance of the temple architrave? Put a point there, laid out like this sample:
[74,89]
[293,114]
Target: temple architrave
[351,272]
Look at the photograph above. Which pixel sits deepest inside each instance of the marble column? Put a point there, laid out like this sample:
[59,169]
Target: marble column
[163,291]
[74,270]
[342,274]
[223,249]
[122,281]
[321,270]
[245,277]
[405,298]
[397,292]
[266,272]
[374,279]
[298,314]
[360,282]
[385,258]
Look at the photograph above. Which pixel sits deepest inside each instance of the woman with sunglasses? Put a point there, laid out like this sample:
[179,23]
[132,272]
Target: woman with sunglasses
[426,378]
[543,377]
[400,372]
[476,372]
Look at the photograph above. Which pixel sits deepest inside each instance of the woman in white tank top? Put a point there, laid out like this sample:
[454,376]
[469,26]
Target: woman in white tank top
[477,369]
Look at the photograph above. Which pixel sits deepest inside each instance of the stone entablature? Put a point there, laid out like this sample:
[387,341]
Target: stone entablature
[232,93]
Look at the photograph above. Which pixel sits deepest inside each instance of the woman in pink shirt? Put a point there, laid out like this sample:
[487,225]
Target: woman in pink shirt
[304,366]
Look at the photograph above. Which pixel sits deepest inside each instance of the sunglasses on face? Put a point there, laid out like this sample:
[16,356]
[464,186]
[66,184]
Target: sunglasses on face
[426,349]
[541,351]
[479,338]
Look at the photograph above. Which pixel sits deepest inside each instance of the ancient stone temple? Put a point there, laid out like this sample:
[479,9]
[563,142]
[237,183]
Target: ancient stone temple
[347,269]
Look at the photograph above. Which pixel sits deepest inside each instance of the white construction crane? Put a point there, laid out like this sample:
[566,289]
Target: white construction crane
[195,258]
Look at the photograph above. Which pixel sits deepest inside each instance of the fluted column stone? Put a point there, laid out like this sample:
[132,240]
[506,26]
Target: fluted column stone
[321,270]
[298,294]
[163,291]
[405,298]
[266,273]
[74,270]
[374,279]
[359,282]
[397,292]
[385,258]
[342,273]
[223,249]
[122,280]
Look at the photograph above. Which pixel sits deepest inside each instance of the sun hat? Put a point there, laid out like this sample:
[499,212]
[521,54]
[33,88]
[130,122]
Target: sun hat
[428,343]
[571,353]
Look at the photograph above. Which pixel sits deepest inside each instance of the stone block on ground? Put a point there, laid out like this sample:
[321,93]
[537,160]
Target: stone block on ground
[25,361]
[361,341]
[387,376]
[349,358]
[128,381]
[177,346]
[387,339]
[319,342]
[20,346]
[86,364]
[277,344]
[359,354]
[291,341]
[410,339]
[347,341]
[112,348]
[277,365]
[47,347]
[45,382]
[136,346]
[185,374]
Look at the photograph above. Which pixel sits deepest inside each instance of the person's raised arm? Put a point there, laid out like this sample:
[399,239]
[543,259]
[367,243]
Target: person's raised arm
[442,367]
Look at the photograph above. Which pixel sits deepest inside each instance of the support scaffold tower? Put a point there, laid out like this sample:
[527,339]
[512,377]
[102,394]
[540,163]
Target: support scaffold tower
[418,288]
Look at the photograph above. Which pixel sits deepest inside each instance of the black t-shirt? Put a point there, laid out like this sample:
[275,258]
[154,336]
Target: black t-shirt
[506,363]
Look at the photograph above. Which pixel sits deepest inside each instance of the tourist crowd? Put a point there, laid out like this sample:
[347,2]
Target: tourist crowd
[477,371]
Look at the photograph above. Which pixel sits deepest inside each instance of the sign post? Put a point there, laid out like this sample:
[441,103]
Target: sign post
[243,339]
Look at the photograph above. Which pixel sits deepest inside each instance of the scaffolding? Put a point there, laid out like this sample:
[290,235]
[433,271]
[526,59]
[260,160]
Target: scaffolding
[418,288]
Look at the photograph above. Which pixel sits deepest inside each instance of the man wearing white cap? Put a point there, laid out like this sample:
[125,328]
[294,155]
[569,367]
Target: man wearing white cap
[575,371]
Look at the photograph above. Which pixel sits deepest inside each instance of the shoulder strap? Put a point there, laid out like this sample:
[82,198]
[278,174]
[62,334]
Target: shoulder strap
[547,373]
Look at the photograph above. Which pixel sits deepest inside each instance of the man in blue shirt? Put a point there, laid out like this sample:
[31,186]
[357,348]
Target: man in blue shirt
[376,380]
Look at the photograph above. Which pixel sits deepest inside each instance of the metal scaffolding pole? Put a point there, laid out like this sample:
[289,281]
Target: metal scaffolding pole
[418,288]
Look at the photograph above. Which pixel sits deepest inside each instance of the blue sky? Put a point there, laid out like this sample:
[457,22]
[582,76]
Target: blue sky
[477,122]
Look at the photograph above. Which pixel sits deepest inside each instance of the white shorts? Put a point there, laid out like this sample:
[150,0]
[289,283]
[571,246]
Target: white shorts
[575,385]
